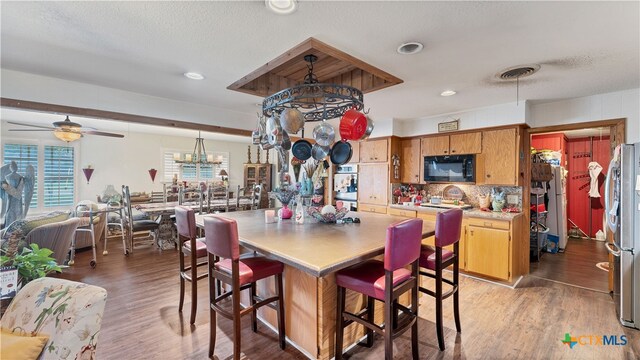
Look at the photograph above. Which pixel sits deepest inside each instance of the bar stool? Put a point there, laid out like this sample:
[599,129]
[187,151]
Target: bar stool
[187,241]
[241,273]
[448,228]
[384,281]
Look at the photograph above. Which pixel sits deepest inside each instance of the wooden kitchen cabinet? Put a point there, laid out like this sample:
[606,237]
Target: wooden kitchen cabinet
[454,144]
[435,145]
[410,160]
[488,251]
[468,143]
[373,184]
[498,162]
[374,151]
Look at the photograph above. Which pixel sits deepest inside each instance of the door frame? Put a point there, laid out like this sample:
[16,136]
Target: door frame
[526,191]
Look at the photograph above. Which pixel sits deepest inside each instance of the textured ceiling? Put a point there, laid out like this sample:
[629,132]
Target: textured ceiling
[583,47]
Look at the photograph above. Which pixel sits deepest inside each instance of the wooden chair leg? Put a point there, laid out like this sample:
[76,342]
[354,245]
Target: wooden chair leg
[281,326]
[236,320]
[339,322]
[254,313]
[194,287]
[414,310]
[371,308]
[439,330]
[395,313]
[212,330]
[388,330]
[456,299]
[181,281]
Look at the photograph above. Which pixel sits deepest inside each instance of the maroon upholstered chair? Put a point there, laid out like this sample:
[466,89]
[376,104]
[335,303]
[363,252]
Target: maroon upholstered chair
[448,228]
[187,242]
[384,281]
[226,265]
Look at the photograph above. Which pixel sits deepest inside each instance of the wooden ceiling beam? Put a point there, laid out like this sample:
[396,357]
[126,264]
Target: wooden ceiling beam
[111,115]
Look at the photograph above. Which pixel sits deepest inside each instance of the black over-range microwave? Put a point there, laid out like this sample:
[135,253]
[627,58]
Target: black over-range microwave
[456,168]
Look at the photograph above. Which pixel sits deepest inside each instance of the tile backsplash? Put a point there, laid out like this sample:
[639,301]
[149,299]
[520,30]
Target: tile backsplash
[471,192]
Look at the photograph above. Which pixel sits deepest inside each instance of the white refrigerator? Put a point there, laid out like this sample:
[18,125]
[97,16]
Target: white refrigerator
[557,211]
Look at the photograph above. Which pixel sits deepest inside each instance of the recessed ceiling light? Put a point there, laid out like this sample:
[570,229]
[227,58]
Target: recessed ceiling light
[410,48]
[447,93]
[281,7]
[194,75]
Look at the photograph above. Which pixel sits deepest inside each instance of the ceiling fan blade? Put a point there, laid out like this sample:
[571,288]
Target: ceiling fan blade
[28,130]
[36,126]
[102,133]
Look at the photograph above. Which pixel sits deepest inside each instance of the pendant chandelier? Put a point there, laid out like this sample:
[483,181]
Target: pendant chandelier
[199,155]
[317,101]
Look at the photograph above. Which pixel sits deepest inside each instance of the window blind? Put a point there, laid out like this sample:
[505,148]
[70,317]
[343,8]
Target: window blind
[224,165]
[192,172]
[59,177]
[24,155]
[170,166]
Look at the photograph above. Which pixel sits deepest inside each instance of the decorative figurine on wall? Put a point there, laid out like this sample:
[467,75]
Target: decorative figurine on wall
[13,184]
[396,166]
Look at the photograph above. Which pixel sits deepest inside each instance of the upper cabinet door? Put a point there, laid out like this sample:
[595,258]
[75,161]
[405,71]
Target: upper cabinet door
[500,157]
[436,145]
[410,161]
[374,151]
[469,143]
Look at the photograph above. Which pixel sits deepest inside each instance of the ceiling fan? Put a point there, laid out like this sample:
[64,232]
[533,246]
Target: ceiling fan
[66,130]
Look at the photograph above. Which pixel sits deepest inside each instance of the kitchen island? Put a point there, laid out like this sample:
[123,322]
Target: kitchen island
[312,253]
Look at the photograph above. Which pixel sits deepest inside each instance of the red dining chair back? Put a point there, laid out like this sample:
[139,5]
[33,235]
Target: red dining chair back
[402,246]
[240,273]
[192,248]
[384,281]
[222,237]
[435,260]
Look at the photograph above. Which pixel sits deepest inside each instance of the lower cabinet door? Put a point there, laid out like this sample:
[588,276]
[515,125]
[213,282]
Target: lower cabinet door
[487,252]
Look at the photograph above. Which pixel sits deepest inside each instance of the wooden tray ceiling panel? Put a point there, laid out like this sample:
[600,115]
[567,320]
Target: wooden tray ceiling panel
[332,66]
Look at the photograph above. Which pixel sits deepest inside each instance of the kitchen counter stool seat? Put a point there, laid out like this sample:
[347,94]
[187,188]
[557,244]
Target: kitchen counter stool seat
[384,281]
[240,273]
[448,229]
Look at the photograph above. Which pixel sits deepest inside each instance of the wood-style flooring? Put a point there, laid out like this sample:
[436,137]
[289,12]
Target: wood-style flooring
[141,319]
[576,266]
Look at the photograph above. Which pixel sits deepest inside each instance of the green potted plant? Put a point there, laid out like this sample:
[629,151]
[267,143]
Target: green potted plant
[32,263]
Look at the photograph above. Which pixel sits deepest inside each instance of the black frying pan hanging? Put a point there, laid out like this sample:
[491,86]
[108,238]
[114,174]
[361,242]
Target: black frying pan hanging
[341,153]
[301,149]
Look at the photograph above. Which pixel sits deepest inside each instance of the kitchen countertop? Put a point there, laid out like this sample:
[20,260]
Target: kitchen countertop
[475,212]
[316,248]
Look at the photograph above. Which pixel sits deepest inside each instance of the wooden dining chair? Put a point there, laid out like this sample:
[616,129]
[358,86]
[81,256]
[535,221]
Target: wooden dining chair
[448,229]
[194,250]
[384,281]
[133,226]
[226,265]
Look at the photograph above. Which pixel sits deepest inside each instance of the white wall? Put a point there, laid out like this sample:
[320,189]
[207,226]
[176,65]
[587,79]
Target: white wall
[127,161]
[497,115]
[26,86]
[614,105]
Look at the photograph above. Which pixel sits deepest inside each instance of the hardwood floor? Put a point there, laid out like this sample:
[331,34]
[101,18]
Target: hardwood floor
[141,319]
[576,266]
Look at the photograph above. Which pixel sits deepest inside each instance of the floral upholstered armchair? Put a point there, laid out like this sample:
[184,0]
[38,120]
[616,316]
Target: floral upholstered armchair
[69,312]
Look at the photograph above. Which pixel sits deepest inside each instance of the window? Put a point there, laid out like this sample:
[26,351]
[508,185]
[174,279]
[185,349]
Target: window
[24,155]
[54,168]
[58,176]
[192,172]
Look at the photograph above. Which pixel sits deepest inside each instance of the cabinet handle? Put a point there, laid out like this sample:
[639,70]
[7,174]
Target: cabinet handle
[488,175]
[471,232]
[453,151]
[445,151]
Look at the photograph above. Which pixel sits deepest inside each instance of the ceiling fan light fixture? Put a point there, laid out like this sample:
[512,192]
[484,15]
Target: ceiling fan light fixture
[67,135]
[281,7]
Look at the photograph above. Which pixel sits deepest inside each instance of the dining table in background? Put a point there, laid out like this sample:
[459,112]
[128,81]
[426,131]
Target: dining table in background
[312,252]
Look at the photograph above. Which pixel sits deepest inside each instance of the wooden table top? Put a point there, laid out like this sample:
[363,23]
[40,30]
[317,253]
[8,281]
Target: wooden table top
[316,248]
